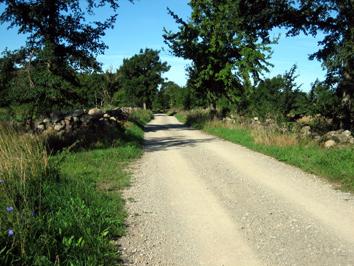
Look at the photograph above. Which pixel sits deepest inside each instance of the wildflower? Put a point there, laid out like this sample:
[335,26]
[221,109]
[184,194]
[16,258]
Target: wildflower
[10,209]
[10,232]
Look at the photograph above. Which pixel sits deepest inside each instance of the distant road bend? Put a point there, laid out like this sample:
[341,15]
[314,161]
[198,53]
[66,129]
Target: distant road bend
[199,200]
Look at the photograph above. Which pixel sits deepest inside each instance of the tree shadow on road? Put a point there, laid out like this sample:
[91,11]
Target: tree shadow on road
[165,143]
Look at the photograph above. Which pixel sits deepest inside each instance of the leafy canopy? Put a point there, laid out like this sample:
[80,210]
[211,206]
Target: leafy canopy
[225,58]
[62,39]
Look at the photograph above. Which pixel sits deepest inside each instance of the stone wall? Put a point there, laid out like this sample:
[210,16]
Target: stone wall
[81,127]
[327,139]
[60,123]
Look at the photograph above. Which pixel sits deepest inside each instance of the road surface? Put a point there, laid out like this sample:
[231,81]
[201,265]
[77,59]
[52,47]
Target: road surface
[199,200]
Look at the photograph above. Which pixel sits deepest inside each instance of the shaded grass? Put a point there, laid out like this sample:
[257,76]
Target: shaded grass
[336,164]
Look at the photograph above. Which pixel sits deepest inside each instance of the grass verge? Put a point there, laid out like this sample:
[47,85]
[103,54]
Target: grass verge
[66,209]
[335,164]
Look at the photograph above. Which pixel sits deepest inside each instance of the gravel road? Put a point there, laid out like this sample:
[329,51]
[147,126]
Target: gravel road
[199,200]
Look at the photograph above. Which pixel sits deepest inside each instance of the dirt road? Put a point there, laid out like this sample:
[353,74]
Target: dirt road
[199,200]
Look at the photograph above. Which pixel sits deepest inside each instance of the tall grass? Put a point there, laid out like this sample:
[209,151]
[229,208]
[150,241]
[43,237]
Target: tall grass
[65,209]
[24,168]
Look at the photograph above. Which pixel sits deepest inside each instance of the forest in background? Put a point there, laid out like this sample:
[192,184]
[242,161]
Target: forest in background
[227,41]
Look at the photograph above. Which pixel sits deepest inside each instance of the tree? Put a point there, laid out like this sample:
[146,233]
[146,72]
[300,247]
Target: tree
[279,95]
[334,19]
[140,76]
[7,73]
[225,59]
[323,100]
[60,42]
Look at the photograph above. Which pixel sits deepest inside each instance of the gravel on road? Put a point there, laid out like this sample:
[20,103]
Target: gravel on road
[199,200]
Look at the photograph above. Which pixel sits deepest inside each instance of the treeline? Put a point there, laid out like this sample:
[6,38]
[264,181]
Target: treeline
[279,97]
[57,68]
[229,42]
[134,84]
[229,45]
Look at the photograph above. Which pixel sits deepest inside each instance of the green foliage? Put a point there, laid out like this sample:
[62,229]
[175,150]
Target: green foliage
[140,76]
[171,96]
[279,96]
[324,100]
[59,44]
[65,209]
[97,88]
[141,116]
[333,19]
[225,60]
[7,72]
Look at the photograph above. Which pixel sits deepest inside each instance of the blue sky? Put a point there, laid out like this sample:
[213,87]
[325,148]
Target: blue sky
[140,25]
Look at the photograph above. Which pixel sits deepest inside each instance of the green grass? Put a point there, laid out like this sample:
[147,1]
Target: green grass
[96,212]
[181,117]
[141,117]
[337,165]
[67,209]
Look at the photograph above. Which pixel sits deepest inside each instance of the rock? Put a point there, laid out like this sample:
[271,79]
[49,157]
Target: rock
[329,144]
[255,118]
[106,116]
[340,136]
[317,138]
[76,119]
[228,119]
[95,112]
[40,127]
[59,126]
[347,133]
[46,121]
[305,131]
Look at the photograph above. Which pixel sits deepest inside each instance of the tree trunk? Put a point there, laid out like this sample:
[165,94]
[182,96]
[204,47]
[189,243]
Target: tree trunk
[144,105]
[346,91]
[347,110]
